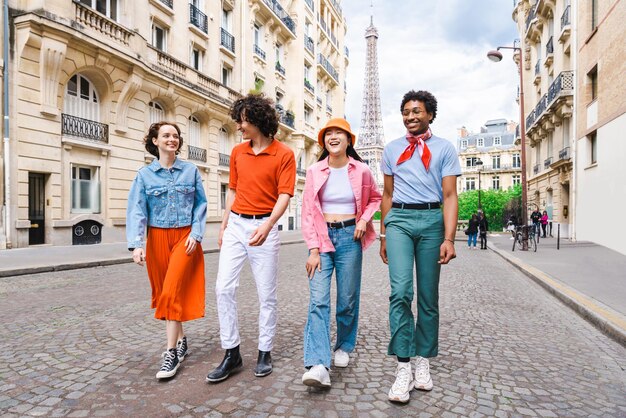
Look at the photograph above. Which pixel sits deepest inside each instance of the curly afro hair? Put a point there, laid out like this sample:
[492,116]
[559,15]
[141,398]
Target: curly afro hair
[153,132]
[257,110]
[430,103]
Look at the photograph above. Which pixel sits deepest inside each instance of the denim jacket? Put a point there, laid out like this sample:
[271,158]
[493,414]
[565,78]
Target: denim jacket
[165,198]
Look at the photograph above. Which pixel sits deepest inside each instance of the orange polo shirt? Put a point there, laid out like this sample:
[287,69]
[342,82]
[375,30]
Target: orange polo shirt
[259,179]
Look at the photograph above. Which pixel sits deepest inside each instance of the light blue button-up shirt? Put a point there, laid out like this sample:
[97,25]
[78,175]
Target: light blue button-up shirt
[165,198]
[411,182]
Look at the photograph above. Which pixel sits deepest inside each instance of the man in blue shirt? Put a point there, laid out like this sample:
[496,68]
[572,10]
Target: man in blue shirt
[419,214]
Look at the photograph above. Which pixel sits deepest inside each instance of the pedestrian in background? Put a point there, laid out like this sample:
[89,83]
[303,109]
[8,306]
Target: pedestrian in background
[483,227]
[262,179]
[544,223]
[535,217]
[472,231]
[168,198]
[340,198]
[417,234]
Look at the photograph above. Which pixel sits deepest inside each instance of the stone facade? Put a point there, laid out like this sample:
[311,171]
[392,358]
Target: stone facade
[87,80]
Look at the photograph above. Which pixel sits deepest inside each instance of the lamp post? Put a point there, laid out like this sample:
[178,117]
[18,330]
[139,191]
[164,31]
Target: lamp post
[479,165]
[496,56]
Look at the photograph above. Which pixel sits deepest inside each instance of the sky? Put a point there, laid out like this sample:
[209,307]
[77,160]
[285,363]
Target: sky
[439,46]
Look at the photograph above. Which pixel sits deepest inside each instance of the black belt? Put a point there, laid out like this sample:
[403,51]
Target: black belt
[416,206]
[341,224]
[244,215]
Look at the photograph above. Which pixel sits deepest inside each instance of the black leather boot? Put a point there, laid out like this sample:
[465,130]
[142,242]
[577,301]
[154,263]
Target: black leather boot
[263,364]
[232,362]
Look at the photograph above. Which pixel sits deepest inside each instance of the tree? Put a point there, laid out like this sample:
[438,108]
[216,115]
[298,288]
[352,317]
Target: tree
[497,205]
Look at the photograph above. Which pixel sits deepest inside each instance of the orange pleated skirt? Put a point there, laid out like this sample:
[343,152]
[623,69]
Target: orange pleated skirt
[177,279]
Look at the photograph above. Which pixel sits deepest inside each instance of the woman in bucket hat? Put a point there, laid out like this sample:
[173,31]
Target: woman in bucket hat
[340,198]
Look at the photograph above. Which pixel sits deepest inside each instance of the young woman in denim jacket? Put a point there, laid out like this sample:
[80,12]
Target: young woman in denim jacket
[168,198]
[340,198]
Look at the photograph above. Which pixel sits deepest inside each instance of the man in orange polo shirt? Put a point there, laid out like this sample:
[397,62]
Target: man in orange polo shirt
[262,179]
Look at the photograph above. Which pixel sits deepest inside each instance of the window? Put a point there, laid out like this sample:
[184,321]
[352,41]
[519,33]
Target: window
[81,99]
[497,140]
[549,150]
[226,75]
[538,154]
[470,183]
[156,112]
[565,132]
[194,131]
[593,83]
[226,20]
[257,35]
[495,161]
[517,161]
[302,160]
[85,189]
[470,161]
[480,142]
[224,142]
[464,143]
[517,179]
[196,59]
[495,183]
[223,192]
[106,7]
[593,148]
[307,72]
[307,114]
[594,14]
[159,37]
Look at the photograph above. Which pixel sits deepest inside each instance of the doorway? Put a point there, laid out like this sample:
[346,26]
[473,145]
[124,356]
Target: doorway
[36,208]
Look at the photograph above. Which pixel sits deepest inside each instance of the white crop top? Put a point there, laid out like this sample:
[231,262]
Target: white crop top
[336,195]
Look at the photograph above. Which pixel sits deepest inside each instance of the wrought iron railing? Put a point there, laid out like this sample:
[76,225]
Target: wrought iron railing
[547,162]
[564,154]
[301,172]
[224,160]
[530,119]
[550,46]
[321,59]
[309,44]
[542,104]
[309,86]
[329,108]
[168,3]
[84,128]
[259,51]
[319,100]
[531,16]
[563,85]
[278,10]
[197,153]
[538,67]
[536,169]
[280,68]
[198,19]
[227,40]
[565,18]
[288,118]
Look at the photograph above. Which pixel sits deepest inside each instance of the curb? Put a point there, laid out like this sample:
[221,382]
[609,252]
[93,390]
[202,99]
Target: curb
[607,320]
[97,263]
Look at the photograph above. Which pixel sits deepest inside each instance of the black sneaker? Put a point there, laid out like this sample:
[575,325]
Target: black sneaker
[181,349]
[170,364]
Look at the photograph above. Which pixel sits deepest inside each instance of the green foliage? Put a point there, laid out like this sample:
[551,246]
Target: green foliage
[498,205]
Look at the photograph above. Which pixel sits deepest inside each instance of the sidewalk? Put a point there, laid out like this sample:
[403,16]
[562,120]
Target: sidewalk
[45,258]
[587,277]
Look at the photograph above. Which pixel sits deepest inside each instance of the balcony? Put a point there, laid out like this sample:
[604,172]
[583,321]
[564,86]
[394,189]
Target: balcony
[536,169]
[547,162]
[337,7]
[532,16]
[310,4]
[280,69]
[102,24]
[84,128]
[329,69]
[561,88]
[309,86]
[288,118]
[309,44]
[549,53]
[282,15]
[564,154]
[198,19]
[565,25]
[329,109]
[301,172]
[319,101]
[537,72]
[168,3]
[196,154]
[227,40]
[259,52]
[224,160]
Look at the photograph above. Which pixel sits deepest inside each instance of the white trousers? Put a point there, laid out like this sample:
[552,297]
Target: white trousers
[264,265]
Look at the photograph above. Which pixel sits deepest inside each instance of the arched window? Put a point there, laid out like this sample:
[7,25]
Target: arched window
[224,141]
[81,99]
[157,114]
[194,131]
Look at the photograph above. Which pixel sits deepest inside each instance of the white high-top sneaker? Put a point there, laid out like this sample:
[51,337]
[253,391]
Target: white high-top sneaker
[422,374]
[403,385]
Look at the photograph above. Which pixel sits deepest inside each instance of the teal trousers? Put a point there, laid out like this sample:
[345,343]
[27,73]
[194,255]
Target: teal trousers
[413,239]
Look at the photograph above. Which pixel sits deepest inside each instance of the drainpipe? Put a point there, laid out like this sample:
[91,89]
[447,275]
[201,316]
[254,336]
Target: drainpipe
[7,159]
[573,210]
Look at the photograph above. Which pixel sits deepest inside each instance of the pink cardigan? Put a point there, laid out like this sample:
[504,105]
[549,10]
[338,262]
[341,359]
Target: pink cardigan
[366,193]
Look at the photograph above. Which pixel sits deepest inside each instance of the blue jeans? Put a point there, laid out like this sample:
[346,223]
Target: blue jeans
[346,261]
[471,238]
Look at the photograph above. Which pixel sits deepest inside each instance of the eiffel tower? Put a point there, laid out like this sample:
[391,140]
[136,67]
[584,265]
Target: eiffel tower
[370,142]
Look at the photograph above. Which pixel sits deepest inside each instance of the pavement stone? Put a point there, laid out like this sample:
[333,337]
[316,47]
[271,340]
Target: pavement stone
[89,346]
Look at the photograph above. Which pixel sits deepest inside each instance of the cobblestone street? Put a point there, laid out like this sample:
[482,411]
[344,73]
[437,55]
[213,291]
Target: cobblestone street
[83,343]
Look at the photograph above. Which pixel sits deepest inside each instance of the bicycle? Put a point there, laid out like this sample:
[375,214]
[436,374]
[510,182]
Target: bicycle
[518,241]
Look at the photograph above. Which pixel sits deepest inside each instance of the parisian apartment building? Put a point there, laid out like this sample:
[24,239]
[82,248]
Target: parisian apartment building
[86,78]
[575,114]
[490,159]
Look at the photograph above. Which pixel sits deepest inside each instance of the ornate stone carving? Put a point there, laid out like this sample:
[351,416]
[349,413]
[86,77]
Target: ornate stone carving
[51,56]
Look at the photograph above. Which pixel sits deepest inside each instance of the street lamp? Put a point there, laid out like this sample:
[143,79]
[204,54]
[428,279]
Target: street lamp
[479,165]
[496,56]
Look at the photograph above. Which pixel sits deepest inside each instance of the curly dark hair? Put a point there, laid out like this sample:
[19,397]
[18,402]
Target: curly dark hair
[430,103]
[153,132]
[257,110]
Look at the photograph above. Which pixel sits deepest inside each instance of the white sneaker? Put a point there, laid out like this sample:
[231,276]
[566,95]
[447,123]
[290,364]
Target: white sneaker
[403,385]
[317,376]
[422,374]
[341,358]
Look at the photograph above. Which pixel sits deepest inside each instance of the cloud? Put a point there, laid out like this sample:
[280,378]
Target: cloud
[440,47]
